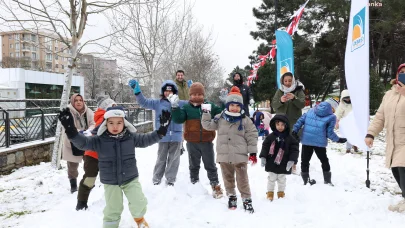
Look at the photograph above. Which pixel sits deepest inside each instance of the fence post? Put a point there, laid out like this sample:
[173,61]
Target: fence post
[7,123]
[42,124]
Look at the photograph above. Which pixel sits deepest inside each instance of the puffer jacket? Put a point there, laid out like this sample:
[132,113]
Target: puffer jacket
[391,115]
[233,145]
[98,118]
[343,108]
[78,118]
[116,156]
[175,130]
[191,115]
[291,150]
[319,123]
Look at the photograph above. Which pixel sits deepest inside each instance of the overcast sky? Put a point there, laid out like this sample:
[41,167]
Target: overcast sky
[230,22]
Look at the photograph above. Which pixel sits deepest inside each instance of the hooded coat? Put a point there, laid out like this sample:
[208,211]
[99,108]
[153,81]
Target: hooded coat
[319,123]
[391,115]
[291,150]
[343,109]
[175,130]
[292,108]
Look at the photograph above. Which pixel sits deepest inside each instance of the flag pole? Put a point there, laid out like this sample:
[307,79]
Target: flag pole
[368,169]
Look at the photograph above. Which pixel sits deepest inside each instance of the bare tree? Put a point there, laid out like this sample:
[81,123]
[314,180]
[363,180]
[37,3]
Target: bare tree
[64,20]
[201,64]
[144,35]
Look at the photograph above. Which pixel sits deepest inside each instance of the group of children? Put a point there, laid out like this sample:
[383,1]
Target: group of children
[115,141]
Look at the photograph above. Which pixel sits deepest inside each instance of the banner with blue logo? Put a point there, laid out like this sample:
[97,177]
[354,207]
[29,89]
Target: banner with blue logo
[354,126]
[285,54]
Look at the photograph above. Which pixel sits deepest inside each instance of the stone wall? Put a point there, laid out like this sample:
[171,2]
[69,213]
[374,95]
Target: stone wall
[25,156]
[37,152]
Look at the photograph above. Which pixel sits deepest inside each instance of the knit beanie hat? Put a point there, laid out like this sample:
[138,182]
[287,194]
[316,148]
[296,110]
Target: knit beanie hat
[234,96]
[197,87]
[104,102]
[333,103]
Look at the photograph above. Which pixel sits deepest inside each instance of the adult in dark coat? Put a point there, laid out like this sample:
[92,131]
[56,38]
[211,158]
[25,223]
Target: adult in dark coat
[245,91]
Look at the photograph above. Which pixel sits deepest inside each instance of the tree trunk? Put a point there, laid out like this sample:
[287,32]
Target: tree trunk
[58,144]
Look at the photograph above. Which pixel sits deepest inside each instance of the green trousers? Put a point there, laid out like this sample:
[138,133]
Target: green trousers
[114,202]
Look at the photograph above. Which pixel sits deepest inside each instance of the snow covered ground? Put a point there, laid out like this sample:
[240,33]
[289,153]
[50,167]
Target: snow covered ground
[39,196]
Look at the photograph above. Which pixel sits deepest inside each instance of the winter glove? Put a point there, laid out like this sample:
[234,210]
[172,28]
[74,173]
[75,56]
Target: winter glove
[289,165]
[223,94]
[253,158]
[189,83]
[251,101]
[134,84]
[263,160]
[174,100]
[295,135]
[206,108]
[342,140]
[68,123]
[165,119]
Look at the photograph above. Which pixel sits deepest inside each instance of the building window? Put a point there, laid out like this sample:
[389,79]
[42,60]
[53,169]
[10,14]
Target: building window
[33,38]
[11,46]
[49,57]
[17,55]
[45,91]
[34,48]
[17,46]
[48,47]
[17,36]
[34,55]
[56,56]
[56,66]
[11,55]
[10,36]
[56,49]
[63,67]
[49,66]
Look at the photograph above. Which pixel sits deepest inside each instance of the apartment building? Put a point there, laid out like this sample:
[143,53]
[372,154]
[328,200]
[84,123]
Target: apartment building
[33,51]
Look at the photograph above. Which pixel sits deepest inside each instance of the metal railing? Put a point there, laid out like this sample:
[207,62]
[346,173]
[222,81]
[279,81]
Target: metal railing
[24,120]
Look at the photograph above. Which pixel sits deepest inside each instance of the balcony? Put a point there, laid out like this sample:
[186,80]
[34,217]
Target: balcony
[26,48]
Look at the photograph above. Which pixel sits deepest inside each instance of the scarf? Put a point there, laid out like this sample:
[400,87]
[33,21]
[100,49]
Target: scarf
[119,135]
[196,102]
[281,143]
[233,119]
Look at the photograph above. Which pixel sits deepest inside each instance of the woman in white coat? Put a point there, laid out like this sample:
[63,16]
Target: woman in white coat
[84,120]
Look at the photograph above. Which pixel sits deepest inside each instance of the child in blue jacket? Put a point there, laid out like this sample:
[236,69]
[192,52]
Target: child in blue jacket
[319,123]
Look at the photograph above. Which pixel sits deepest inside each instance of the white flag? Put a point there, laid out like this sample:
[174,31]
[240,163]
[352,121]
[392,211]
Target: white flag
[357,74]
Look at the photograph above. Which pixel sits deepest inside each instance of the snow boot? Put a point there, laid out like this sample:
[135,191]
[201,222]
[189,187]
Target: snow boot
[232,202]
[280,195]
[170,184]
[348,151]
[73,185]
[193,181]
[156,182]
[397,206]
[327,176]
[217,191]
[306,179]
[270,196]
[81,205]
[355,149]
[141,223]
[247,205]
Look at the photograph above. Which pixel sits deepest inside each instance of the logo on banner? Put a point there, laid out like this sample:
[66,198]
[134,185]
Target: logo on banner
[358,30]
[285,66]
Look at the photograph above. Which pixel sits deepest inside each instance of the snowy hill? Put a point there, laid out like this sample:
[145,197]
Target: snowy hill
[39,197]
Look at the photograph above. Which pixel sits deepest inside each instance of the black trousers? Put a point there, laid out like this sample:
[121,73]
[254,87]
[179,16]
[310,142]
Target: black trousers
[306,155]
[89,178]
[204,150]
[399,175]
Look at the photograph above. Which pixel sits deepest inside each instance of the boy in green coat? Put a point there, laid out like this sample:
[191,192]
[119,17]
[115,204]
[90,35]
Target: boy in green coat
[199,141]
